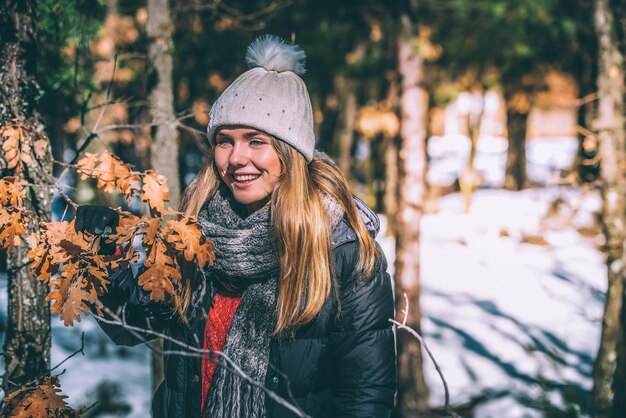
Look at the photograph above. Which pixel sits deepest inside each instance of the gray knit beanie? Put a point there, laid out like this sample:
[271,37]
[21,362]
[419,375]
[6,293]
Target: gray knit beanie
[270,97]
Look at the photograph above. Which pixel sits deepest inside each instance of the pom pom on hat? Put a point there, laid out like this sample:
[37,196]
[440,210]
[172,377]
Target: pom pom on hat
[274,54]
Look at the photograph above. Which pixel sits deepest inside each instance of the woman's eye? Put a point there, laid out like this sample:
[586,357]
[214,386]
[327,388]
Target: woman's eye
[223,141]
[257,142]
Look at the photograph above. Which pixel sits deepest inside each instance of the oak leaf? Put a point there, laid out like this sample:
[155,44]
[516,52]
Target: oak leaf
[75,305]
[128,227]
[10,136]
[41,147]
[150,230]
[87,165]
[187,237]
[12,226]
[12,192]
[44,400]
[161,272]
[155,191]
[111,172]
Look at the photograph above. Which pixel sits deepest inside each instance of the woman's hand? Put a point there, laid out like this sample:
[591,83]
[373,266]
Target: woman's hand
[98,220]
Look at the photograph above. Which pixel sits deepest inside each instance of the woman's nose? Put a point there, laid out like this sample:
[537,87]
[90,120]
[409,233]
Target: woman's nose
[239,155]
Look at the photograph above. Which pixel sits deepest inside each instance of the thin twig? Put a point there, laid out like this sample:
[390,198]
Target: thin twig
[414,333]
[197,352]
[80,350]
[585,131]
[36,380]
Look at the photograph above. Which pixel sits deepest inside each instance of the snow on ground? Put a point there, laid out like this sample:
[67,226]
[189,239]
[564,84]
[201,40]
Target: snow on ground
[506,317]
[128,367]
[502,315]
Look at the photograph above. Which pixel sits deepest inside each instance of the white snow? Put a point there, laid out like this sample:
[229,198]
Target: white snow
[501,315]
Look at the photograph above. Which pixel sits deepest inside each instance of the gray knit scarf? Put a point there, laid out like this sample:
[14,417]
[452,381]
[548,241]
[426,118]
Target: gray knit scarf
[246,262]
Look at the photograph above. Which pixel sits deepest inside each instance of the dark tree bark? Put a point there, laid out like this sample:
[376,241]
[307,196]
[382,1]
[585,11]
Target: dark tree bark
[346,121]
[412,389]
[390,148]
[27,344]
[609,125]
[516,122]
[164,149]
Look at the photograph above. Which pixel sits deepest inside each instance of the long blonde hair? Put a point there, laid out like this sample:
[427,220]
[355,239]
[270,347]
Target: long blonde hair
[302,234]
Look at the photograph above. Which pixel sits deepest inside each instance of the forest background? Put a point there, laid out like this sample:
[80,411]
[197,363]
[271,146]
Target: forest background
[409,97]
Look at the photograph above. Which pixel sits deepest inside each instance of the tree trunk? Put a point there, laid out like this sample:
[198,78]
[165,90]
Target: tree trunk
[610,128]
[164,149]
[346,120]
[27,344]
[516,121]
[412,389]
[469,181]
[391,183]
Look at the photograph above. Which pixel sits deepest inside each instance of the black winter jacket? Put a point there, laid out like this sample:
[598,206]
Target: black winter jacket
[341,364]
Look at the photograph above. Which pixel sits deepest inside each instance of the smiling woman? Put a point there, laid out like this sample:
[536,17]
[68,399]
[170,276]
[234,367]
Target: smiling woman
[298,297]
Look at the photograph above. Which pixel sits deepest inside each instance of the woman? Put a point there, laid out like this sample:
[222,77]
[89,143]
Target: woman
[298,297]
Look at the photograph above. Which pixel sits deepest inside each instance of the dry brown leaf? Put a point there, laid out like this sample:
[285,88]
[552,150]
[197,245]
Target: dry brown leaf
[60,287]
[87,165]
[150,230]
[11,146]
[12,226]
[187,237]
[44,400]
[162,271]
[155,191]
[17,140]
[105,172]
[111,172]
[41,147]
[12,192]
[127,181]
[75,305]
[127,229]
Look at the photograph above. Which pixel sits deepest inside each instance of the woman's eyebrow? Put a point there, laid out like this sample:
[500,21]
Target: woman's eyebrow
[252,134]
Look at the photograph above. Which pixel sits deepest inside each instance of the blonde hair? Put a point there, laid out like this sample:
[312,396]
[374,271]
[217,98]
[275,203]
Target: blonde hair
[302,233]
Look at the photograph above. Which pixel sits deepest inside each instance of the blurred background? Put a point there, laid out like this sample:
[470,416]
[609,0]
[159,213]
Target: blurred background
[487,134]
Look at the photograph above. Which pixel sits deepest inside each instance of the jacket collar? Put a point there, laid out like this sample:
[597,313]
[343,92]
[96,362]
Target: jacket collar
[344,233]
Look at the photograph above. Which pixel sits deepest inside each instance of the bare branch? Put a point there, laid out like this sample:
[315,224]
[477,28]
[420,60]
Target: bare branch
[80,350]
[197,352]
[414,333]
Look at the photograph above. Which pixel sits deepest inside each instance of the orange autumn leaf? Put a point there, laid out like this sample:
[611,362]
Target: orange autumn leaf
[83,273]
[187,237]
[44,400]
[126,180]
[111,172]
[17,144]
[41,266]
[60,287]
[150,230]
[127,229]
[12,226]
[87,165]
[10,136]
[105,172]
[155,191]
[160,274]
[75,304]
[41,148]
[12,192]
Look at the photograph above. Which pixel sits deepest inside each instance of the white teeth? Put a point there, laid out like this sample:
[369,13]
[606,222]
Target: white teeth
[246,177]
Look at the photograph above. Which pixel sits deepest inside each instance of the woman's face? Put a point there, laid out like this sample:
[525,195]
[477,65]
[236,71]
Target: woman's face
[248,163]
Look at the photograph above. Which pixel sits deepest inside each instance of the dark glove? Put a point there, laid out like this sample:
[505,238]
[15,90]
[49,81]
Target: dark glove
[98,220]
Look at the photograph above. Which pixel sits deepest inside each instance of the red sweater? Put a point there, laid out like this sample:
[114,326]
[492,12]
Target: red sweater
[218,323]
